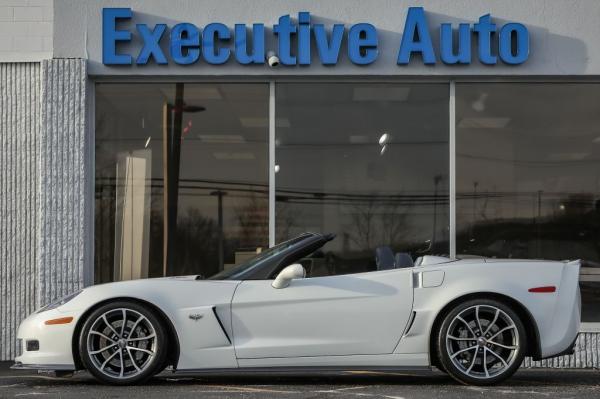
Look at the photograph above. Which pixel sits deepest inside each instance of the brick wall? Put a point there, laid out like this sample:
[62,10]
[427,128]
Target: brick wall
[26,30]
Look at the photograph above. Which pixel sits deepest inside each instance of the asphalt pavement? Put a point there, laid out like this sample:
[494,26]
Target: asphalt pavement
[526,383]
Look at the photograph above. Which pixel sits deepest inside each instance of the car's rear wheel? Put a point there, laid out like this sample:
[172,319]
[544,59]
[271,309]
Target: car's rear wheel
[481,342]
[123,343]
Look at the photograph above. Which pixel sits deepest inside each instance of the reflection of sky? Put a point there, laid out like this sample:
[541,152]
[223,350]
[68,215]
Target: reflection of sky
[333,175]
[532,149]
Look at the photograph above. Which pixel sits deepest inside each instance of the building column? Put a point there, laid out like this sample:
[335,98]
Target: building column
[19,155]
[65,206]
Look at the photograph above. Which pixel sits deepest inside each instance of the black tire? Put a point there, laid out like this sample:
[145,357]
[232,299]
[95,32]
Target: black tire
[497,349]
[138,353]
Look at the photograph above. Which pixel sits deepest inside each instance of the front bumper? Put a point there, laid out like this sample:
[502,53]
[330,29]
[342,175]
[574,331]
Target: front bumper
[55,343]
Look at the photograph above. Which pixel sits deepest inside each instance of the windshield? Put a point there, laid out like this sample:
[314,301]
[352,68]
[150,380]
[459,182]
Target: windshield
[258,260]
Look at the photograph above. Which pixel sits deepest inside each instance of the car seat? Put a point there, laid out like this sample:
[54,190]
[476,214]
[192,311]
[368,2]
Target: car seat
[403,259]
[384,258]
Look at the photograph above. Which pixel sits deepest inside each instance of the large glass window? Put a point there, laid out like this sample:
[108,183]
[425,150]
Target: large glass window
[368,162]
[528,175]
[181,178]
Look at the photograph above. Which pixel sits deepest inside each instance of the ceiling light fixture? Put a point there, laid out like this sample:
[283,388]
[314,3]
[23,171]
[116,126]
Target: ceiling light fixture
[384,139]
[479,104]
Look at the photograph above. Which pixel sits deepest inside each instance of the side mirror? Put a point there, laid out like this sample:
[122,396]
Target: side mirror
[289,273]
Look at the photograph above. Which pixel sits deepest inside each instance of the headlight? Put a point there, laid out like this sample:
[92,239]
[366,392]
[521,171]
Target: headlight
[59,302]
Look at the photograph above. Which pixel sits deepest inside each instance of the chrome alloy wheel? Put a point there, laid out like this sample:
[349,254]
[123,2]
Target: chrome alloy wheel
[121,343]
[482,341]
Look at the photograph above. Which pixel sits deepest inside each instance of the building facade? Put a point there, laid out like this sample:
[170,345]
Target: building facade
[150,138]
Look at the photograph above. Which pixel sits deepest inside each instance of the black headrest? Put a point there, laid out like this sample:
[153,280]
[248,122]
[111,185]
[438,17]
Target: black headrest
[384,258]
[404,260]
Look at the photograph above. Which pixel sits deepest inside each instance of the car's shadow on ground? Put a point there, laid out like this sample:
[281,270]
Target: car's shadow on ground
[354,378]
[435,378]
[525,384]
[526,377]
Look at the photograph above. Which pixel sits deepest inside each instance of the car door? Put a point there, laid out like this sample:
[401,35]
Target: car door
[353,314]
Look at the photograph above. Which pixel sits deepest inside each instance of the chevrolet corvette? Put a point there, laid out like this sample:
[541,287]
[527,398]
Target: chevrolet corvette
[475,319]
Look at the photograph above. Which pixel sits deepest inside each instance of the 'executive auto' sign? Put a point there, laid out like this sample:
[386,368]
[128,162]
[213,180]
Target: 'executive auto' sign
[217,43]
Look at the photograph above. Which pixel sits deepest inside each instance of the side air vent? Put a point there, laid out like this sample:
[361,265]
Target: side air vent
[221,324]
[410,323]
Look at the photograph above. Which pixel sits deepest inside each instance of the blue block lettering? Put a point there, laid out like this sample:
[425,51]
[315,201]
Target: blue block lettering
[151,47]
[463,54]
[362,44]
[110,36]
[485,30]
[217,43]
[521,53]
[304,38]
[185,43]
[284,31]
[329,51]
[257,55]
[416,25]
[212,34]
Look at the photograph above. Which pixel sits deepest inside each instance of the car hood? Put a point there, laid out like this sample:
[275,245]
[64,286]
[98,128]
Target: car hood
[173,292]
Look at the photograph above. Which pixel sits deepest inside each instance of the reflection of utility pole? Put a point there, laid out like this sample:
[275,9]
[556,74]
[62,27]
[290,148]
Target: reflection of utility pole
[538,223]
[436,181]
[220,194]
[172,129]
[475,184]
[172,121]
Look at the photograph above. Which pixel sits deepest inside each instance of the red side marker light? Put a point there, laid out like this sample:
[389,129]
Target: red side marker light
[549,288]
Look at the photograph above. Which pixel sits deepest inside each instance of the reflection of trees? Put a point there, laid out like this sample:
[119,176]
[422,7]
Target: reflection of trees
[377,223]
[571,221]
[362,216]
[253,221]
[104,233]
[287,217]
[394,223]
[195,244]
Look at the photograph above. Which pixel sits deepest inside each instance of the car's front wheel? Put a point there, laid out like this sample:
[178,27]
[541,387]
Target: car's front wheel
[122,343]
[481,342]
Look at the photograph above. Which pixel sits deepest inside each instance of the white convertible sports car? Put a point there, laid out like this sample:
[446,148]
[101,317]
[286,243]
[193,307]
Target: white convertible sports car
[475,319]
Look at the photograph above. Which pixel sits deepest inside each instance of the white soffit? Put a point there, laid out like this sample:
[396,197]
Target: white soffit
[378,93]
[483,122]
[263,122]
[222,138]
[234,156]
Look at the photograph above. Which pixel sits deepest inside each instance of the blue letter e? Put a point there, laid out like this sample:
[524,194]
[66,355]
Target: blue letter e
[110,36]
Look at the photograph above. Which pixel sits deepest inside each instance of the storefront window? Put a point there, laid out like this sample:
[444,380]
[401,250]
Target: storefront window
[181,178]
[368,162]
[528,175]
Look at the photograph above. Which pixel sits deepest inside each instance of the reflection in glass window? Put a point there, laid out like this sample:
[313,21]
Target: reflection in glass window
[528,175]
[181,178]
[368,162]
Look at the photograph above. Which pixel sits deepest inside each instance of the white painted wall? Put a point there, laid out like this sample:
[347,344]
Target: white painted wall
[26,30]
